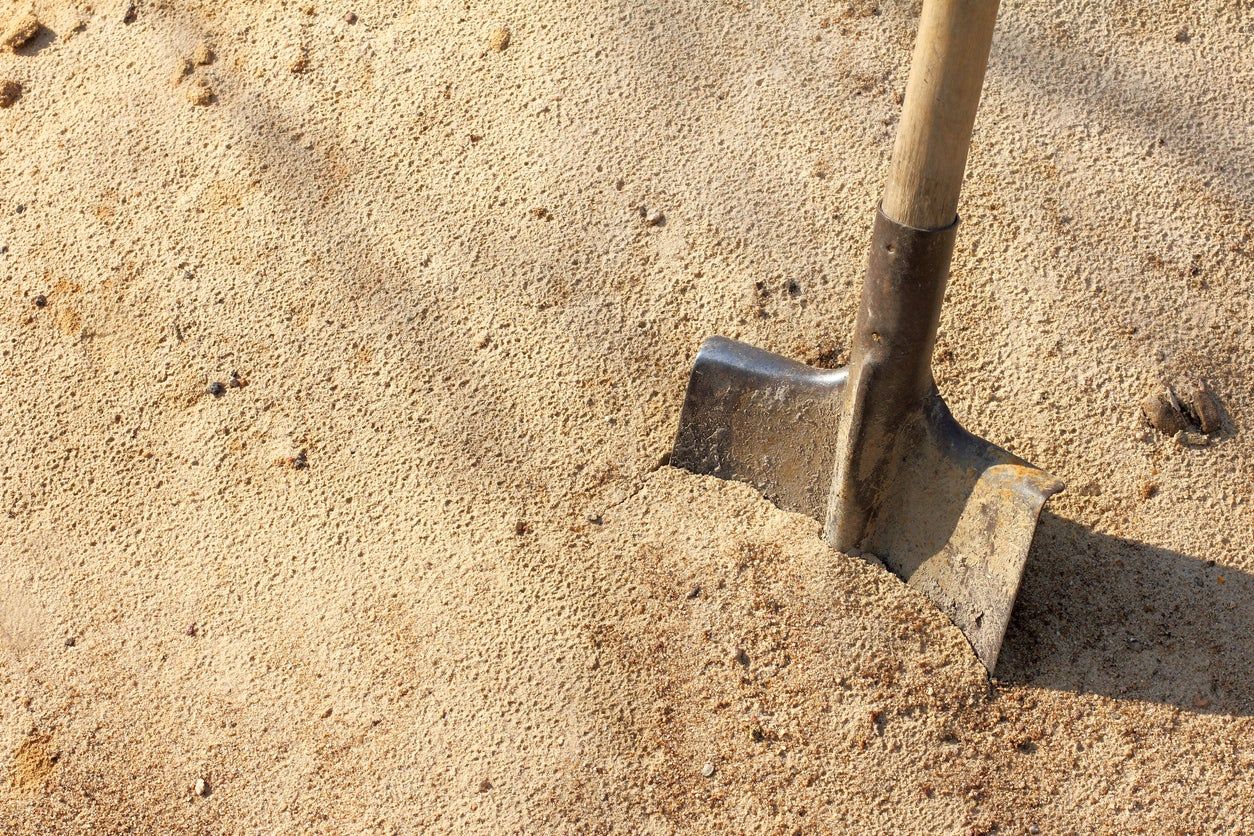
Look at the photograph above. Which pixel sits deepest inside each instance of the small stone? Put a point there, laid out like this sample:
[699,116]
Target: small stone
[1199,404]
[71,641]
[326,713]
[485,785]
[236,382]
[707,771]
[216,389]
[694,593]
[191,630]
[1163,412]
[201,787]
[41,301]
[652,217]
[129,13]
[10,92]
[595,519]
[1183,36]
[1033,829]
[20,31]
[350,18]
[498,39]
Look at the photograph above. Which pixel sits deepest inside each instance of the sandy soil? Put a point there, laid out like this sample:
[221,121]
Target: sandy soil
[418,566]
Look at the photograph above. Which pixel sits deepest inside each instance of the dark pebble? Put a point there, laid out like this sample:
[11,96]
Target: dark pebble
[1163,412]
[41,301]
[216,389]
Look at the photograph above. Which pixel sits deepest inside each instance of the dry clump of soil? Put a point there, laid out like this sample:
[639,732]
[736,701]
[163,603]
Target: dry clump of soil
[202,54]
[200,92]
[10,92]
[498,39]
[20,31]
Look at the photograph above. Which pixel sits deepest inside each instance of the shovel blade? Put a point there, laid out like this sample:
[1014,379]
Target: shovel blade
[957,522]
[757,417]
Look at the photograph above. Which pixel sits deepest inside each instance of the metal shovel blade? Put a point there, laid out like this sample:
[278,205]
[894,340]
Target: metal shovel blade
[956,525]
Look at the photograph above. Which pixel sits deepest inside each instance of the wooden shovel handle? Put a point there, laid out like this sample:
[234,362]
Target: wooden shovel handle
[946,76]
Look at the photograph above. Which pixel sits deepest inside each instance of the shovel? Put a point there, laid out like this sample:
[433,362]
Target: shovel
[871,449]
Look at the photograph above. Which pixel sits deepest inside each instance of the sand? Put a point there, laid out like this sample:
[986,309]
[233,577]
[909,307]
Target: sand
[417,566]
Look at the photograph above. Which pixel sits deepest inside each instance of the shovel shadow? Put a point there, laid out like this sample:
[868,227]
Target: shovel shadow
[1104,615]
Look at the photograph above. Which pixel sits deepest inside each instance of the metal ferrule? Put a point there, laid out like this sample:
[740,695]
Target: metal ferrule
[890,370]
[901,302]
